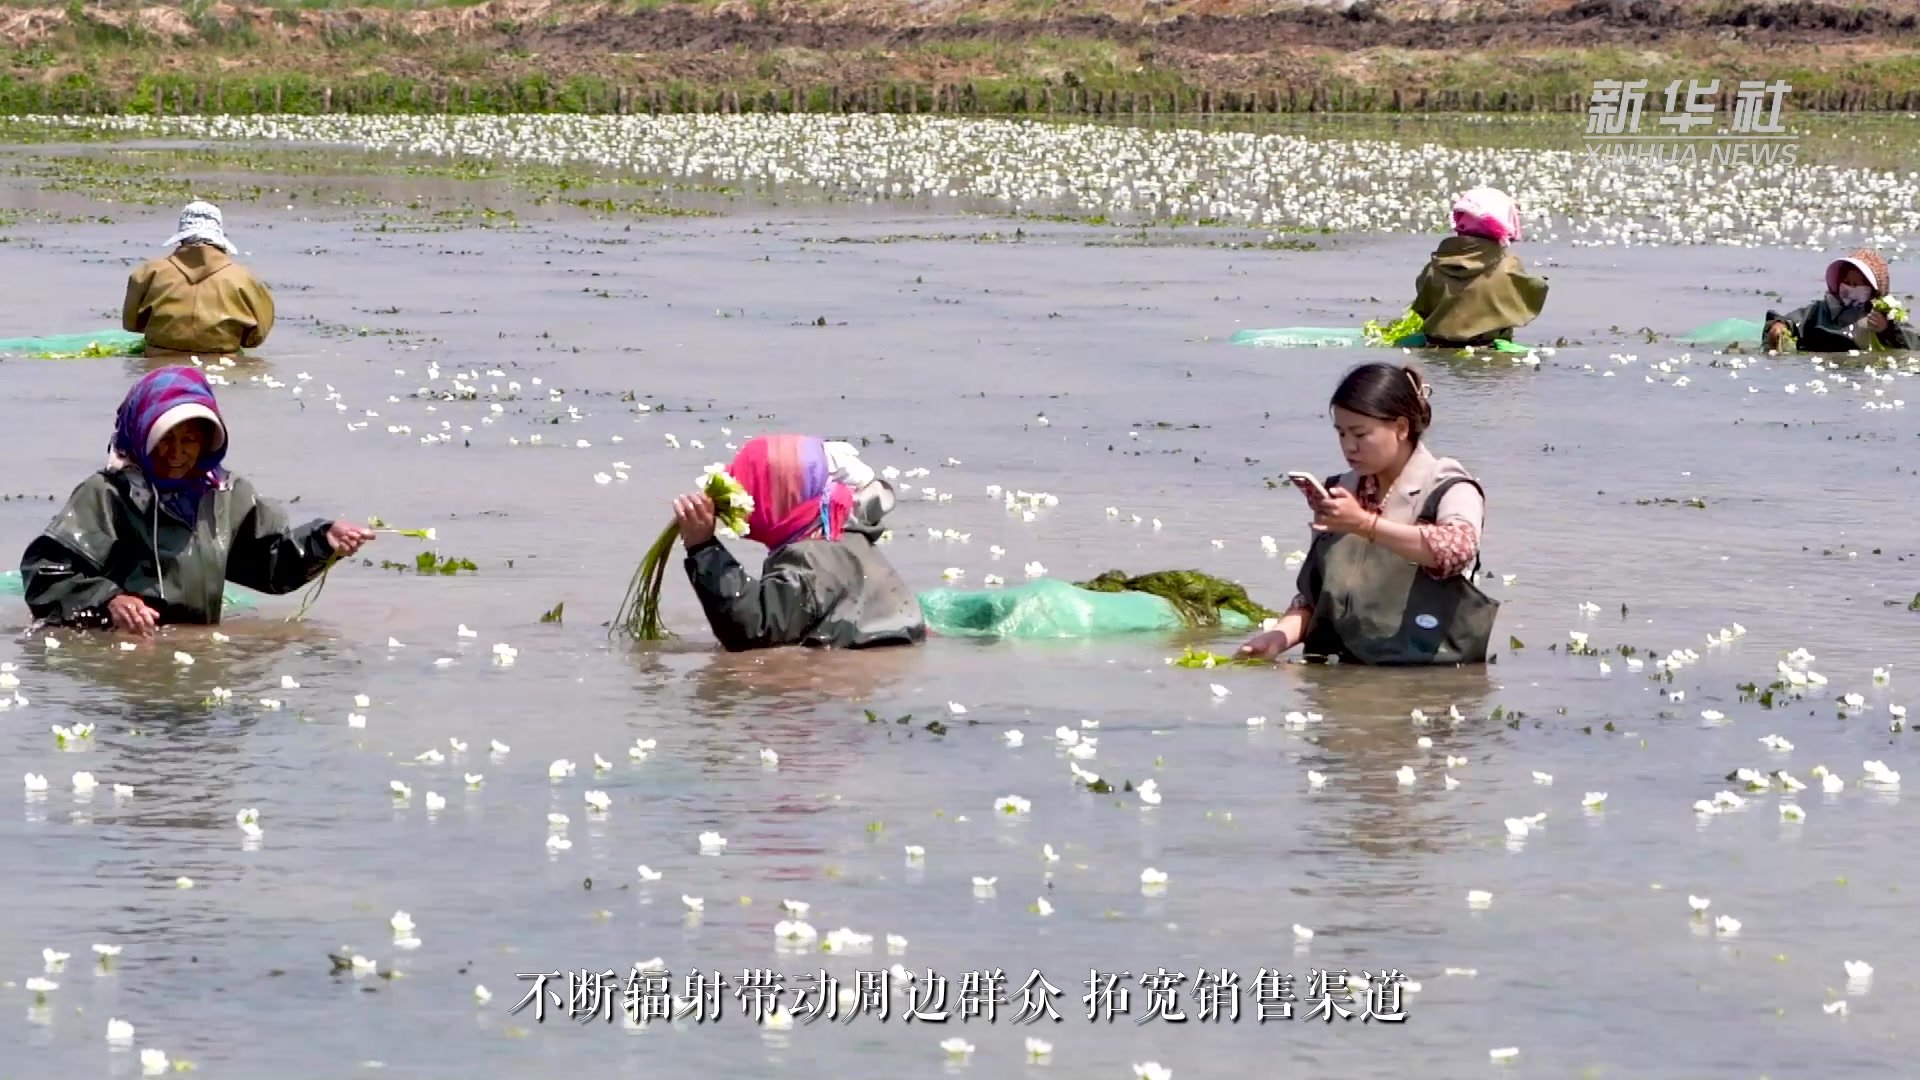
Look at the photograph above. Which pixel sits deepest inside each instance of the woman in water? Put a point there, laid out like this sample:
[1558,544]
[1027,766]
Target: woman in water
[817,508]
[1845,318]
[1387,579]
[1473,290]
[197,300]
[154,537]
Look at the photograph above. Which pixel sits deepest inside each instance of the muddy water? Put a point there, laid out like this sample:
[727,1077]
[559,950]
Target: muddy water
[948,338]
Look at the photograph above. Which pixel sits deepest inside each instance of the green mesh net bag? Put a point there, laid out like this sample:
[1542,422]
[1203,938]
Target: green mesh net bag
[1110,604]
[1728,333]
[75,346]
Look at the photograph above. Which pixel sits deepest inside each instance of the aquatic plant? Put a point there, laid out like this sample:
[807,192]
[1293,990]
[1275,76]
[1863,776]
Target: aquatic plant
[1378,334]
[639,614]
[1198,598]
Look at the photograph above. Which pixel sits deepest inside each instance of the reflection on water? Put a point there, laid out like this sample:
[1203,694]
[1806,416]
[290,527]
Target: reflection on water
[1587,957]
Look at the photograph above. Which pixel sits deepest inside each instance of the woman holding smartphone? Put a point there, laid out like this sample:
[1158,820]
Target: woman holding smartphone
[1389,577]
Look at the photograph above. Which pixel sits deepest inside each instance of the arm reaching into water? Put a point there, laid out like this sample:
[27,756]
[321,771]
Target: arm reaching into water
[64,570]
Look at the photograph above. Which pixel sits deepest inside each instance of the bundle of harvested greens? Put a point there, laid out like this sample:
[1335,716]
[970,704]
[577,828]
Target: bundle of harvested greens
[639,614]
[1198,597]
[1405,326]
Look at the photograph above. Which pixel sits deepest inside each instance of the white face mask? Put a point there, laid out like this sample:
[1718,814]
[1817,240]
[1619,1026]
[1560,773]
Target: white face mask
[1856,294]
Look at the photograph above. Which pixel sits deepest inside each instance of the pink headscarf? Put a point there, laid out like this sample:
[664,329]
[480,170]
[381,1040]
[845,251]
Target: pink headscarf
[793,489]
[1487,212]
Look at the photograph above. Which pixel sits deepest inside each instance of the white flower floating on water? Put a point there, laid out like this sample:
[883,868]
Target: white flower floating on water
[1775,742]
[1882,675]
[430,757]
[106,952]
[400,790]
[1833,1007]
[1301,933]
[464,632]
[36,782]
[1479,898]
[711,843]
[1878,773]
[1038,1048]
[180,658]
[1790,812]
[1149,792]
[1404,775]
[984,885]
[84,783]
[287,683]
[915,853]
[956,1046]
[1150,876]
[1218,690]
[648,873]
[153,1062]
[249,821]
[956,708]
[845,940]
[55,962]
[1012,804]
[1505,1053]
[560,769]
[436,801]
[557,842]
[1859,970]
[1593,799]
[119,1031]
[794,932]
[1727,925]
[1712,716]
[1151,1070]
[1315,779]
[1518,827]
[1542,778]
[356,720]
[598,800]
[482,995]
[499,747]
[1013,738]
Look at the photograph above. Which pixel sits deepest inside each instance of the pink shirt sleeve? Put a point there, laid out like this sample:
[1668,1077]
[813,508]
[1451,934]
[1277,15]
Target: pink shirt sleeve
[1454,539]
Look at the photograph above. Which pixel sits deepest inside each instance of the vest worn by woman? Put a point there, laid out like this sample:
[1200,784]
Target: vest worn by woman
[1371,606]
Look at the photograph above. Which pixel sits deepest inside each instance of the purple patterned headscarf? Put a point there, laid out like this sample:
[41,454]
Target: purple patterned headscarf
[156,404]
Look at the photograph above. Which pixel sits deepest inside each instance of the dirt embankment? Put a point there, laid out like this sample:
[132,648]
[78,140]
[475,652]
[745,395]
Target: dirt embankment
[1388,45]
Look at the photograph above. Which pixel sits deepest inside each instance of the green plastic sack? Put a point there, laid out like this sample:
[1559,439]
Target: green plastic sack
[11,585]
[1050,608]
[1327,337]
[1748,332]
[75,346]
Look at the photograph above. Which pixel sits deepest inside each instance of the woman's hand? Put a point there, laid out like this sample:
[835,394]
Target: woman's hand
[1340,512]
[1775,332]
[131,614]
[695,514]
[347,538]
[1879,322]
[1266,645]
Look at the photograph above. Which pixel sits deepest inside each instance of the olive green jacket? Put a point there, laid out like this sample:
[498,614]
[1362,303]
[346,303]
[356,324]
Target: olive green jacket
[198,300]
[1473,290]
[823,593]
[114,537]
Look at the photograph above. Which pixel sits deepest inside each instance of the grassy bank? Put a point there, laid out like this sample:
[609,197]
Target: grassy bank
[1027,57]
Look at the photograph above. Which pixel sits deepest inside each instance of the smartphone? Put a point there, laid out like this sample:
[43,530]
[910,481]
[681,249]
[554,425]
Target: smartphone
[1309,485]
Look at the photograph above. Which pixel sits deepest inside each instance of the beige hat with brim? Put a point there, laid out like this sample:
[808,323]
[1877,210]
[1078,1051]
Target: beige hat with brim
[180,414]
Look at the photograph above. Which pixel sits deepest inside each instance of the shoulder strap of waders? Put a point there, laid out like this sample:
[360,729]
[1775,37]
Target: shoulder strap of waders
[1430,510]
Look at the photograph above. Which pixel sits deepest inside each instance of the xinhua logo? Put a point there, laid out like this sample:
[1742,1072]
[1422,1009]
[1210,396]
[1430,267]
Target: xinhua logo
[1753,136]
